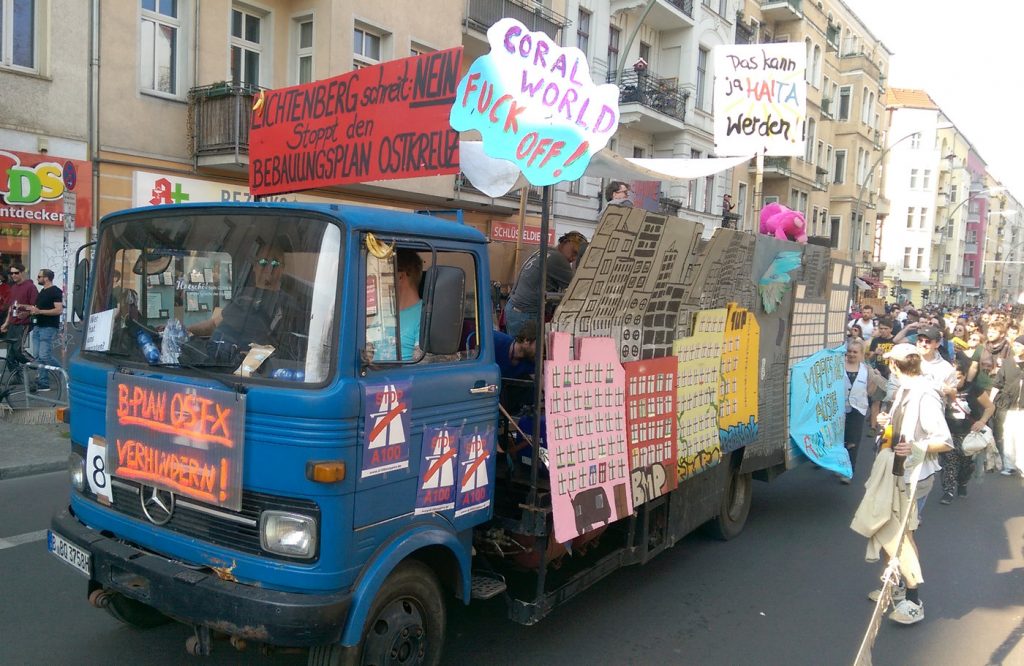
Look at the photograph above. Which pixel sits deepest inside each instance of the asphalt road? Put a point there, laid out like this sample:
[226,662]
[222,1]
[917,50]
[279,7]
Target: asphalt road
[790,590]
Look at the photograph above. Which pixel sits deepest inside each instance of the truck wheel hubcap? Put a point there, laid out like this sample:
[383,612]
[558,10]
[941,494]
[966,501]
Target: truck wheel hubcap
[397,634]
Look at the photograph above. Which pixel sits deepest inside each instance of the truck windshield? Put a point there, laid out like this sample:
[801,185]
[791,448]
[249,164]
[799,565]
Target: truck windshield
[252,294]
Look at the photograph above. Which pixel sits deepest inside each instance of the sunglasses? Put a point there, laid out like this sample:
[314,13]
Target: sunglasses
[274,263]
[14,272]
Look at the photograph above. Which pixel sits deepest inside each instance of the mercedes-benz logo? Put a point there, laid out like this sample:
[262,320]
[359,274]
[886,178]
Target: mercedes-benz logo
[157,504]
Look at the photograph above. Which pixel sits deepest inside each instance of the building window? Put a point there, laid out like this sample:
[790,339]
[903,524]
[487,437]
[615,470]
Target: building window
[809,146]
[968,268]
[709,192]
[844,102]
[947,261]
[913,179]
[366,47]
[304,50]
[246,46]
[741,204]
[926,178]
[158,46]
[613,48]
[828,162]
[583,31]
[645,52]
[18,37]
[835,223]
[865,109]
[920,258]
[922,216]
[972,236]
[816,74]
[702,72]
[691,194]
[910,217]
[906,257]
[839,172]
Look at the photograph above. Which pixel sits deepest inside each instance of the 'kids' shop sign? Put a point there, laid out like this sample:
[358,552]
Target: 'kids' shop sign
[32,189]
[535,104]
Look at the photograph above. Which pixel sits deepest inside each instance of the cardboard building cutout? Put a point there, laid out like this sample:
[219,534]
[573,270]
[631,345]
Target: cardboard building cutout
[584,401]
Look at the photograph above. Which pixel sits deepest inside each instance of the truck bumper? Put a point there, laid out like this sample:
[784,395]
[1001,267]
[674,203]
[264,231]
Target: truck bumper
[200,597]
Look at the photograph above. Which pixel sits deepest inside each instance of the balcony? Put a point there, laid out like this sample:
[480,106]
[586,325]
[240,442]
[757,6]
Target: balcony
[482,14]
[218,116]
[826,108]
[649,102]
[970,248]
[664,14]
[832,37]
[876,139]
[774,167]
[852,62]
[781,10]
[534,195]
[821,182]
[744,32]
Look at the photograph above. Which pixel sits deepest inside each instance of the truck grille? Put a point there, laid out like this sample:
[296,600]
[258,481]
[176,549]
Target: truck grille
[235,530]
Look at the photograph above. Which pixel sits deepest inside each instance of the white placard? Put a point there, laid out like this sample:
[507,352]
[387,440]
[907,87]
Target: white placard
[70,208]
[154,304]
[101,327]
[760,98]
[96,469]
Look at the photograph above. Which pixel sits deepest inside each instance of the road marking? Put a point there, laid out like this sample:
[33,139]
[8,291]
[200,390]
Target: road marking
[21,539]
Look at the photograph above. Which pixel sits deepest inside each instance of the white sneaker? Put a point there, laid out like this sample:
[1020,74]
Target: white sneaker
[907,612]
[899,593]
[1007,471]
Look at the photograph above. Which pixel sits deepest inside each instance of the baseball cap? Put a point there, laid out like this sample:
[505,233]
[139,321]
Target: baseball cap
[901,351]
[929,332]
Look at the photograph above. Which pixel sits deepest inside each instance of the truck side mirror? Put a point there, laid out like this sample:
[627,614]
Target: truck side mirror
[80,289]
[445,308]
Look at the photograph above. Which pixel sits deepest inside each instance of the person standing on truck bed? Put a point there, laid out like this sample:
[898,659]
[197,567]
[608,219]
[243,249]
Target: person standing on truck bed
[262,313]
[524,301]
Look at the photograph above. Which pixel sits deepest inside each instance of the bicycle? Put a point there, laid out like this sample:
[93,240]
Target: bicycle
[18,379]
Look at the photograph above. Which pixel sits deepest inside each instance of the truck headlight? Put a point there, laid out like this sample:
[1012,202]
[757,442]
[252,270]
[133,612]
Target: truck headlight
[288,534]
[76,471]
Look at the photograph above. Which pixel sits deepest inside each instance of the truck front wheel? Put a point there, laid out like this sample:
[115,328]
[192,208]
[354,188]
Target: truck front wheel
[405,624]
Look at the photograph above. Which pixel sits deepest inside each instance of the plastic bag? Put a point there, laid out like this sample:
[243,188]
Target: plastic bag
[174,336]
[976,442]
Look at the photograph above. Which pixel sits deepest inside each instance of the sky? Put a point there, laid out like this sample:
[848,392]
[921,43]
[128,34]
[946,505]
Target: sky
[966,54]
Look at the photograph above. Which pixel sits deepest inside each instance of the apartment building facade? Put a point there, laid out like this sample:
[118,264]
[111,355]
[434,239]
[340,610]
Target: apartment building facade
[835,184]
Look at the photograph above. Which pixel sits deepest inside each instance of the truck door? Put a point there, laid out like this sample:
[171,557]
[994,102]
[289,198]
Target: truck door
[426,410]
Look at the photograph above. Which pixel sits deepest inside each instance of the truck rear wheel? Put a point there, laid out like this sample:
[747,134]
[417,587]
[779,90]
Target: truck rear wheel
[732,516]
[405,625]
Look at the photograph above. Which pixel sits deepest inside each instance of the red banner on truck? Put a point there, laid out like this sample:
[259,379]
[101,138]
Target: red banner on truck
[383,122]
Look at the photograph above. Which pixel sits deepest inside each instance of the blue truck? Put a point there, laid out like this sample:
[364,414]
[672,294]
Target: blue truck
[286,429]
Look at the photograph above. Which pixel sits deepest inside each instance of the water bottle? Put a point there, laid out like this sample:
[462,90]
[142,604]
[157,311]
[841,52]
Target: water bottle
[148,347]
[898,461]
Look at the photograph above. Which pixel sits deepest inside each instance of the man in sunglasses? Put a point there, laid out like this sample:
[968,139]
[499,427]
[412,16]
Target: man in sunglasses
[23,295]
[261,313]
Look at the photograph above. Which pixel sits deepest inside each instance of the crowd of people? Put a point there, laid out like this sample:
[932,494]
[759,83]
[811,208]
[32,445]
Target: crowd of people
[928,379]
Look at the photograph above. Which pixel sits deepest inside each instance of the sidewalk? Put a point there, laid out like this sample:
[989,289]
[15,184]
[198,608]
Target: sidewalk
[32,443]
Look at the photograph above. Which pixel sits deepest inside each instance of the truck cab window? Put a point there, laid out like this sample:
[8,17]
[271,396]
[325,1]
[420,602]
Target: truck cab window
[402,288]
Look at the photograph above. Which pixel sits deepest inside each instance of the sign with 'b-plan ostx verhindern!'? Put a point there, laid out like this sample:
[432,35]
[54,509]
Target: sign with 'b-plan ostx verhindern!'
[760,99]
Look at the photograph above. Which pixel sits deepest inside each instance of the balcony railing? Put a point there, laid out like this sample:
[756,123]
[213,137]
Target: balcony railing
[482,14]
[685,6]
[826,107]
[218,117]
[534,195]
[652,91]
[744,33]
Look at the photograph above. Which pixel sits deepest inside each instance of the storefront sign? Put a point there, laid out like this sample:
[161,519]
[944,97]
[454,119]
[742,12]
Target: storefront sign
[534,103]
[32,189]
[509,232]
[158,189]
[383,122]
[184,439]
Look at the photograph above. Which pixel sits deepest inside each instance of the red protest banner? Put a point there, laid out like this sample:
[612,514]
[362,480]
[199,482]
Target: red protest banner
[32,188]
[383,122]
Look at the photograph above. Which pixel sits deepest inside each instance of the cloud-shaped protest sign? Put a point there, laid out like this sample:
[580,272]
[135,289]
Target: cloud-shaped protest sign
[535,104]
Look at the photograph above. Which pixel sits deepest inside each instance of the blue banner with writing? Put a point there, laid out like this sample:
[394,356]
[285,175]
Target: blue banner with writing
[817,409]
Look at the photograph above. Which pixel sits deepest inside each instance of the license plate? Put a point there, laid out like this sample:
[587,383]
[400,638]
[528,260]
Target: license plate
[68,552]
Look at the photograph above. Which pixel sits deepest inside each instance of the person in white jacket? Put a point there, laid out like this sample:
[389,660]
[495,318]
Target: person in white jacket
[919,434]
